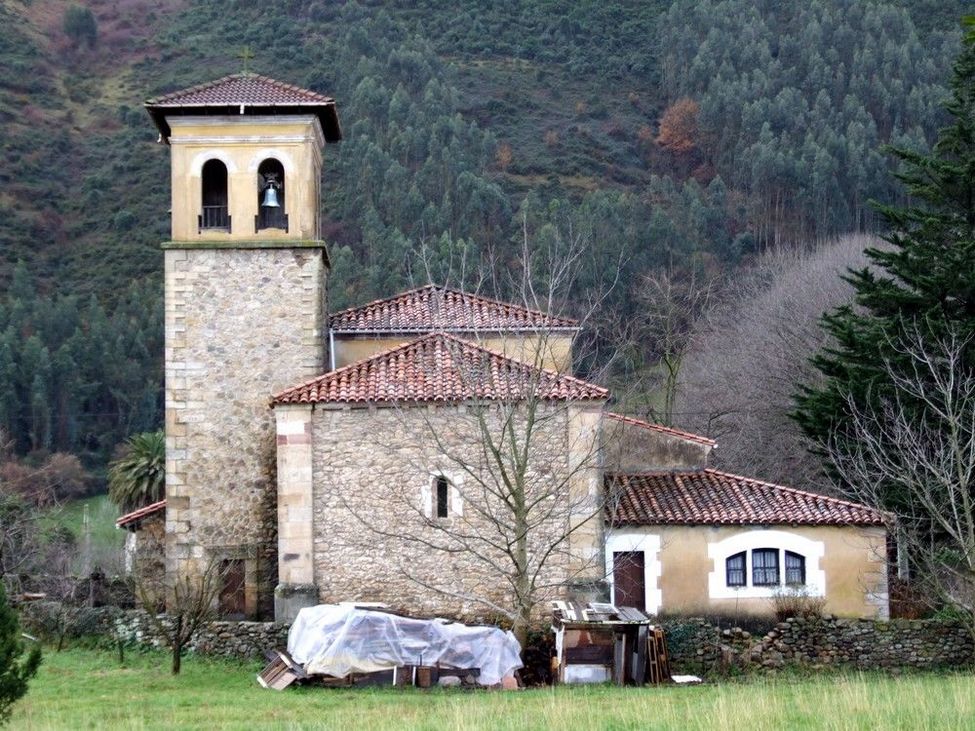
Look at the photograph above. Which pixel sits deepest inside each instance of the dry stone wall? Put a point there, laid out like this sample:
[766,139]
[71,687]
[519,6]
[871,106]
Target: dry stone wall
[105,626]
[696,646]
[231,640]
[865,644]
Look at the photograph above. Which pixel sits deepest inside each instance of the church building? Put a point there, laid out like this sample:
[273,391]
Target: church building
[372,454]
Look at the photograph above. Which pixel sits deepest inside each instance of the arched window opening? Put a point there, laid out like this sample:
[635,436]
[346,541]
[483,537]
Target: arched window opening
[215,214]
[270,196]
[442,497]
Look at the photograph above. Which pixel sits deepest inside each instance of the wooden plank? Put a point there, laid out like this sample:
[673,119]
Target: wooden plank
[619,659]
[640,661]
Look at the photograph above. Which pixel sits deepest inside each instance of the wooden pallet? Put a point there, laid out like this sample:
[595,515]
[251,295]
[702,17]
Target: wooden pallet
[658,662]
[281,672]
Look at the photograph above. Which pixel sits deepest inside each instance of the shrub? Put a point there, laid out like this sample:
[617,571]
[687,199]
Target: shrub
[59,476]
[17,663]
[797,602]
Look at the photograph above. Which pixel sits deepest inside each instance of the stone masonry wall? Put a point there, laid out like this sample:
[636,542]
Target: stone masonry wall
[241,323]
[107,625]
[374,485]
[865,644]
[697,646]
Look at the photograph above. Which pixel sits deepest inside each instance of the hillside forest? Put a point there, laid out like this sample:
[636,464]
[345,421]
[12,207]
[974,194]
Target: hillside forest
[689,141]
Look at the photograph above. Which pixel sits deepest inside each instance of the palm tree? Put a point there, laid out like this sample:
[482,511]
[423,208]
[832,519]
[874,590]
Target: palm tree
[138,477]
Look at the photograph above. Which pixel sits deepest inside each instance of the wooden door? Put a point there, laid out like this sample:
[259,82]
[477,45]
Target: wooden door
[232,599]
[629,587]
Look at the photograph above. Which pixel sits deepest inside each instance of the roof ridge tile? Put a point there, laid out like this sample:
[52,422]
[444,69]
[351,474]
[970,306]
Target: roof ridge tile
[661,428]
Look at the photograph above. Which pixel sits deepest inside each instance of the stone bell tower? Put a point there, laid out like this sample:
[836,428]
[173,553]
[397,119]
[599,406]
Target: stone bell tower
[245,294]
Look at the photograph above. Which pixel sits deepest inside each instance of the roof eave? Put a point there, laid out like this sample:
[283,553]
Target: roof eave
[327,114]
[392,403]
[742,523]
[474,330]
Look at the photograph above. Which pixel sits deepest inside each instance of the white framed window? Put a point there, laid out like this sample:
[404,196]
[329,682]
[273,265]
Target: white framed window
[756,563]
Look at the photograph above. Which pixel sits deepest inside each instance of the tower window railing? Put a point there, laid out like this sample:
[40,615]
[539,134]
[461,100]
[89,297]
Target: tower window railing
[215,218]
[270,218]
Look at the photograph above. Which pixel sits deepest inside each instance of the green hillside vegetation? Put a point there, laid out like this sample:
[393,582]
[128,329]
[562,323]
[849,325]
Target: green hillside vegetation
[685,136]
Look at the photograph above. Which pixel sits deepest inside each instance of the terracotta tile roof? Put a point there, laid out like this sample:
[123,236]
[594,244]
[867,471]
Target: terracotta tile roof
[438,368]
[242,89]
[439,308]
[710,497]
[662,429]
[137,516]
[257,94]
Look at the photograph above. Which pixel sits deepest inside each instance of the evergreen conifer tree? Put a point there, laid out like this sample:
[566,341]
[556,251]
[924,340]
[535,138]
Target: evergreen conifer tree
[17,664]
[925,279]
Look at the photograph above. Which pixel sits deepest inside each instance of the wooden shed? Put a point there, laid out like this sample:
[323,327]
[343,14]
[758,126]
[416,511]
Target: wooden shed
[600,642]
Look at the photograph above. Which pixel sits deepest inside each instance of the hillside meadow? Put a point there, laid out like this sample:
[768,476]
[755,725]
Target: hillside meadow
[80,689]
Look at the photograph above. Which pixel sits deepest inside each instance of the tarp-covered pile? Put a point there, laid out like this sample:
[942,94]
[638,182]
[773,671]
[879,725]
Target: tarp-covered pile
[339,639]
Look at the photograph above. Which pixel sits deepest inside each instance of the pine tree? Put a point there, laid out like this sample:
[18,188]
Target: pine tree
[924,279]
[17,664]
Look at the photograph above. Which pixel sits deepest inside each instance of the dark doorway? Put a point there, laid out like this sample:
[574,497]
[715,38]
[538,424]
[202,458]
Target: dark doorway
[232,581]
[629,587]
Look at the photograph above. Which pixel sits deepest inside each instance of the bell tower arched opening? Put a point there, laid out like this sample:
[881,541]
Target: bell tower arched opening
[271,192]
[214,210]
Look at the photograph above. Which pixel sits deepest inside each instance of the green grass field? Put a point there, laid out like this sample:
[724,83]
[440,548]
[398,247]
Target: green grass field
[79,689]
[107,541]
[102,514]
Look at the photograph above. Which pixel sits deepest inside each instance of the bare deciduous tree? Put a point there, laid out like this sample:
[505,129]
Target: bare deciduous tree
[190,601]
[751,350]
[670,304]
[523,462]
[914,455]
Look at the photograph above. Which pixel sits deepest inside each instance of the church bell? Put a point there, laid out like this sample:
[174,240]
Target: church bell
[270,198]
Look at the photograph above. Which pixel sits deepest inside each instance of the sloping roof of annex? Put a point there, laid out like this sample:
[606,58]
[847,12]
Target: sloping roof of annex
[133,519]
[711,497]
[660,428]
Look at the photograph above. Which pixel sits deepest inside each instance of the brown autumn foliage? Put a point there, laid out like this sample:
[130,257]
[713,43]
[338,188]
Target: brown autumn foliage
[61,476]
[503,156]
[679,132]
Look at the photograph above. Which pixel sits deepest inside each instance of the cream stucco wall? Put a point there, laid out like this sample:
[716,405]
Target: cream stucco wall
[242,143]
[680,561]
[553,351]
